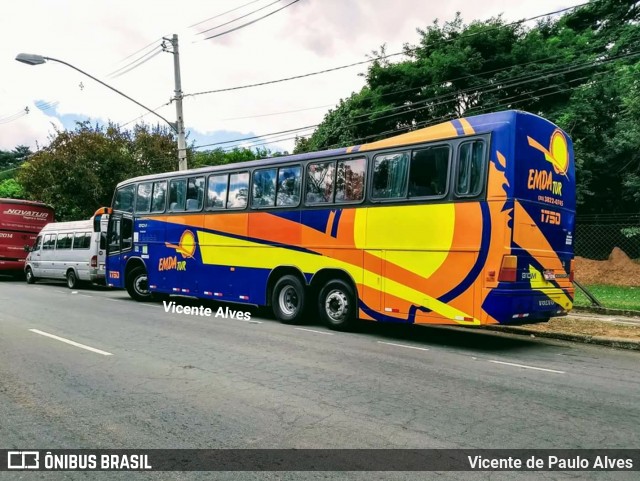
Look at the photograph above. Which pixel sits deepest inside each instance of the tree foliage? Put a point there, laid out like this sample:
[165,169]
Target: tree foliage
[579,70]
[78,171]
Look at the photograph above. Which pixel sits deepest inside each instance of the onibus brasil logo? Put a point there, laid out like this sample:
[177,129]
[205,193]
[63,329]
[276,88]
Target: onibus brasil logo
[186,248]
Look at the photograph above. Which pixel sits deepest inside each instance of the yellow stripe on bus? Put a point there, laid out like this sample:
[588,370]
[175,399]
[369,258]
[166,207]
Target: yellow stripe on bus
[218,250]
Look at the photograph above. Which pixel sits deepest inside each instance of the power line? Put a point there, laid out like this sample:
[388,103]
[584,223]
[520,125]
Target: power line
[223,13]
[150,55]
[522,80]
[227,89]
[133,64]
[251,22]
[236,19]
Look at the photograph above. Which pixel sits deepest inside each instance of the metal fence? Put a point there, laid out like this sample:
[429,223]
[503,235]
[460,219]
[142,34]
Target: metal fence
[597,235]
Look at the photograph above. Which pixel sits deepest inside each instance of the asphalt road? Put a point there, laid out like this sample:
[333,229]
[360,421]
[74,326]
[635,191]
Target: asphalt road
[182,381]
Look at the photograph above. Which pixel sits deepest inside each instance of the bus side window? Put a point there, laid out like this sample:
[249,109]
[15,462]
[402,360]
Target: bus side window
[350,180]
[238,189]
[127,233]
[159,196]
[195,194]
[143,199]
[390,175]
[320,182]
[217,191]
[470,168]
[177,195]
[288,186]
[114,235]
[264,188]
[429,171]
[124,198]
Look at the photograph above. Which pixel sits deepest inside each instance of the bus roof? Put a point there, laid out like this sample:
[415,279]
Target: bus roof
[454,128]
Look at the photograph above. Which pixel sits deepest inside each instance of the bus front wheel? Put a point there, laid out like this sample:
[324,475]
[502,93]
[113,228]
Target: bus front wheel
[138,285]
[337,305]
[288,300]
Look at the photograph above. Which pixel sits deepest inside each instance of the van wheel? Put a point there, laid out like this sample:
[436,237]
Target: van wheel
[337,305]
[288,300]
[72,280]
[31,279]
[138,285]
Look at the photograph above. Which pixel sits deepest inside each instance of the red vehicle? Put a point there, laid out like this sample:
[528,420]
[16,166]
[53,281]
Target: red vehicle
[20,223]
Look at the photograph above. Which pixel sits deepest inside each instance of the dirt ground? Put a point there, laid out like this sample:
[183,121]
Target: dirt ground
[588,328]
[618,270]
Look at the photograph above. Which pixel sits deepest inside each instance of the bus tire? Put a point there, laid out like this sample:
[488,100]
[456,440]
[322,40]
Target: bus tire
[137,283]
[288,300]
[337,305]
[31,279]
[72,279]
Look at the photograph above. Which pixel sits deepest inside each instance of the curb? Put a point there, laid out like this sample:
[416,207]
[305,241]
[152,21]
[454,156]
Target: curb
[606,311]
[601,341]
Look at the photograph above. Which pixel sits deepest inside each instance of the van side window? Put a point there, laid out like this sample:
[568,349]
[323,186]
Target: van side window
[143,199]
[82,240]
[195,194]
[177,195]
[49,242]
[159,196]
[64,241]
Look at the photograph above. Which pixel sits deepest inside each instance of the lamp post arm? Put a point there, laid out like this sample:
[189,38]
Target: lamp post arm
[173,127]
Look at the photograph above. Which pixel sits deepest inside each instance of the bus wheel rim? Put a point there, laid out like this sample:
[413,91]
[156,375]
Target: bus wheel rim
[288,301]
[139,285]
[336,305]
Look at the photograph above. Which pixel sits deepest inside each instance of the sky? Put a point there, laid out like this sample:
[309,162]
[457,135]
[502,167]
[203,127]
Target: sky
[110,39]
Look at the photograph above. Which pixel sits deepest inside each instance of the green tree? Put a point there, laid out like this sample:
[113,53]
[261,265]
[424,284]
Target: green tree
[11,189]
[78,171]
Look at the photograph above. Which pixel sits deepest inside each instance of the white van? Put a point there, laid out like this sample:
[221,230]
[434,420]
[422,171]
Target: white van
[68,250]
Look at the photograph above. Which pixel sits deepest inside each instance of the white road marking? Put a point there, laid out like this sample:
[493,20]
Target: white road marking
[404,345]
[311,330]
[250,321]
[73,343]
[527,367]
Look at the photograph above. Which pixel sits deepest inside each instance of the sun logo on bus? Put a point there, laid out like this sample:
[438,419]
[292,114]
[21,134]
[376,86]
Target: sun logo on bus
[186,246]
[558,152]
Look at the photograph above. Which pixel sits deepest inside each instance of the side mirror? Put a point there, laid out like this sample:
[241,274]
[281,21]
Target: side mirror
[27,248]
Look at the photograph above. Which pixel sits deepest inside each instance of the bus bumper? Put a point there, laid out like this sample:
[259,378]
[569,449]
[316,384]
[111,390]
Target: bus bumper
[6,265]
[510,306]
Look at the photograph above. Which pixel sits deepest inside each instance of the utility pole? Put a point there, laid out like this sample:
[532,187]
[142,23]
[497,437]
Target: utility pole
[182,143]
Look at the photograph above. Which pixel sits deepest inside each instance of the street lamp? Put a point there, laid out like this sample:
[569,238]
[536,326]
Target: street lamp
[32,59]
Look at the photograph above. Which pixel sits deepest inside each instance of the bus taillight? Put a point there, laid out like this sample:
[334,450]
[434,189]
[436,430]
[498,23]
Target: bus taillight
[94,261]
[509,269]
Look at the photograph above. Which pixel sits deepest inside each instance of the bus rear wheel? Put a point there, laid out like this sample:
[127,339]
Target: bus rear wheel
[337,305]
[288,300]
[138,285]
